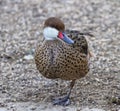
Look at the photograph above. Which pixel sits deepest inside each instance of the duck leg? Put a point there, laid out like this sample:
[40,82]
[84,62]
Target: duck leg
[64,101]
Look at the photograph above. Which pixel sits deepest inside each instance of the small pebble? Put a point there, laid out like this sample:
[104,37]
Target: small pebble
[28,57]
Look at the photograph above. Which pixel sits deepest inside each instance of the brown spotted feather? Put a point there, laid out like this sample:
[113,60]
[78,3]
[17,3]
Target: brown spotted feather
[56,59]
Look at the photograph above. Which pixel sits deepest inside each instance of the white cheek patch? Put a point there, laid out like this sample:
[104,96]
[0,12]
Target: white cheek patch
[50,33]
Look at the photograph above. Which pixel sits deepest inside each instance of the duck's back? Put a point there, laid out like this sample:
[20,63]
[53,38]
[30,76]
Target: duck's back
[80,43]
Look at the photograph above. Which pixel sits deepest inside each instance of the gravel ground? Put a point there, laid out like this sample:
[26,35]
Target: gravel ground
[21,85]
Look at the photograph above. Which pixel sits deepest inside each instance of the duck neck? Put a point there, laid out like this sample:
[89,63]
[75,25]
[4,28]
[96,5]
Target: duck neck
[52,42]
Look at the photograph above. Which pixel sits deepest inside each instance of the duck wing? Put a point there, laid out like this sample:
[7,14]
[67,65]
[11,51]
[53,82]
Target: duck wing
[80,42]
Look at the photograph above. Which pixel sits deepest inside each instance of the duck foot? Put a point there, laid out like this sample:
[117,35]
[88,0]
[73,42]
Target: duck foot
[65,101]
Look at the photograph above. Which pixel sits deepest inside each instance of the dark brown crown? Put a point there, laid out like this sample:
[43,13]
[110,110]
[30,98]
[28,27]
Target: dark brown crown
[55,23]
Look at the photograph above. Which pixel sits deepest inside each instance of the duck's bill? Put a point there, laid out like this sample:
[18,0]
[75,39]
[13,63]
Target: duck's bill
[65,38]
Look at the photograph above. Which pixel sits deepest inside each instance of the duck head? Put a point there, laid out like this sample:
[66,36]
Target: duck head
[54,29]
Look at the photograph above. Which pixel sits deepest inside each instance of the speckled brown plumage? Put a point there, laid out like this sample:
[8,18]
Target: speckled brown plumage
[57,59]
[80,43]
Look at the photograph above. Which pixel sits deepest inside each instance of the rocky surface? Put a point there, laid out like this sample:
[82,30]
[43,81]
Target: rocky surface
[21,85]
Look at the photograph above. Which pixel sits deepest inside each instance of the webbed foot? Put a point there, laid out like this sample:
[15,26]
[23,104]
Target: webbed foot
[65,101]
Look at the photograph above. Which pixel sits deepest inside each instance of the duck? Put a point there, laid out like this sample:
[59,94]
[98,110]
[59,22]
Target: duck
[63,54]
